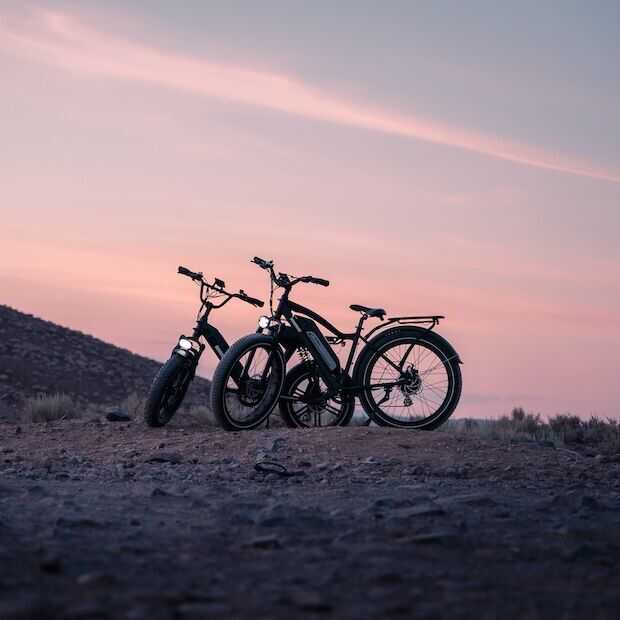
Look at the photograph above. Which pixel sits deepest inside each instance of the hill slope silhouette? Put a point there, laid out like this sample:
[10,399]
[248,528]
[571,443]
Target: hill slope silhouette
[41,357]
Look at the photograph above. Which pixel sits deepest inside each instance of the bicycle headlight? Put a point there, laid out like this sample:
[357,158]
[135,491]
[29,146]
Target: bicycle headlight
[186,344]
[264,322]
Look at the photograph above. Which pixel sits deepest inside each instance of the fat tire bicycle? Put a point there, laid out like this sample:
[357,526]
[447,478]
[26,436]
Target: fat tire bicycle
[406,375]
[171,383]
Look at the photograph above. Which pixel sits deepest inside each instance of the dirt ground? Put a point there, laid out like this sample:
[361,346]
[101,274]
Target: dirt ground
[113,520]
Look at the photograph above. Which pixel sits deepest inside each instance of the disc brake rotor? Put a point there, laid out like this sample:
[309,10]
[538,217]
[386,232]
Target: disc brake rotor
[412,385]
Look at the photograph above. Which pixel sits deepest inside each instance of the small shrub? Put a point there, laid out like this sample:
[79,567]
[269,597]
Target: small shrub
[530,424]
[604,435]
[46,407]
[470,424]
[562,423]
[601,436]
[568,428]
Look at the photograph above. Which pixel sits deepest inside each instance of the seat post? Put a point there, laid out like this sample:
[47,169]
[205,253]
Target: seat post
[360,324]
[358,331]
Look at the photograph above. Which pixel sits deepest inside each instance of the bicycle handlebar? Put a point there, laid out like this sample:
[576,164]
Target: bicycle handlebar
[194,275]
[218,285]
[251,300]
[313,280]
[283,279]
[262,263]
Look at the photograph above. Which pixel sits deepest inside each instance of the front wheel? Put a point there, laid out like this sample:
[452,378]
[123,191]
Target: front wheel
[411,378]
[247,382]
[167,391]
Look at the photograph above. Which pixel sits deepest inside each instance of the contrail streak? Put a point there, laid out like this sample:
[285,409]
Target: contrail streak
[64,41]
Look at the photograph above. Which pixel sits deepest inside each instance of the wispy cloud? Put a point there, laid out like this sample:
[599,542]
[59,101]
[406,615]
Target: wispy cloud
[66,41]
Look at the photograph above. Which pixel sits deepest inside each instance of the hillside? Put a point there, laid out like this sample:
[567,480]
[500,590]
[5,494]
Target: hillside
[40,357]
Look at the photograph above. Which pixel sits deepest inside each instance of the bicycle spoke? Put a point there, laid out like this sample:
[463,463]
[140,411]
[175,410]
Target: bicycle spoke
[421,386]
[318,410]
[303,410]
[243,396]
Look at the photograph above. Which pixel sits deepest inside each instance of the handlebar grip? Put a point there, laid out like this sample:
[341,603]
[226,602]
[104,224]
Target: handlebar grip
[262,263]
[251,300]
[319,281]
[184,271]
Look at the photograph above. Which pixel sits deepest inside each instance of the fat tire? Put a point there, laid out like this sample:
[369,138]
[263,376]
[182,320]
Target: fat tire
[434,340]
[222,374]
[292,377]
[166,376]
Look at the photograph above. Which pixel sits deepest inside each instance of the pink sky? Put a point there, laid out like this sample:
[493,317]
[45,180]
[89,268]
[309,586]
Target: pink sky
[126,154]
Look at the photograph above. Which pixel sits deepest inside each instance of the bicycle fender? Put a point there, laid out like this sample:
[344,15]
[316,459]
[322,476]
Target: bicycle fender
[372,343]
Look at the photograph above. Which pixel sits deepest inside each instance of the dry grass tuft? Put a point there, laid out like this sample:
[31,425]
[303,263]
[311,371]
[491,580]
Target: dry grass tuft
[601,436]
[49,407]
[522,422]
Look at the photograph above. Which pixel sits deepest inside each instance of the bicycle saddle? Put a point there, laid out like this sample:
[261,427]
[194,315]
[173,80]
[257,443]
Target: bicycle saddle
[374,312]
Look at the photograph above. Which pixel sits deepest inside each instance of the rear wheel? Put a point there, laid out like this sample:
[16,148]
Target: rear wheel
[424,374]
[247,382]
[167,391]
[311,406]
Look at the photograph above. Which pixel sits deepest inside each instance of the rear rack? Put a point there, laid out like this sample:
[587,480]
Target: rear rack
[430,320]
[417,320]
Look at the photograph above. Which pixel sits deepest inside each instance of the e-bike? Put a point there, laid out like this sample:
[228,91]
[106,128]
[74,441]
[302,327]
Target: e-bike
[174,378]
[405,375]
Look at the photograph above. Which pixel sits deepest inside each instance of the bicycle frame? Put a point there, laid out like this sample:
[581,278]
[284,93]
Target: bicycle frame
[336,382]
[203,328]
[216,342]
[210,333]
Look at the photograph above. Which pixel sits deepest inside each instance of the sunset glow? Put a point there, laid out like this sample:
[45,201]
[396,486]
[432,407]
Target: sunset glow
[447,184]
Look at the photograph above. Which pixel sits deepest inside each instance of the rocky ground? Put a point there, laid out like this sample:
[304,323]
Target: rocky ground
[104,520]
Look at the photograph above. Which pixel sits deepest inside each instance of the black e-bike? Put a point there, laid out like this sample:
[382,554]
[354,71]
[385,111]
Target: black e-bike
[406,375]
[174,378]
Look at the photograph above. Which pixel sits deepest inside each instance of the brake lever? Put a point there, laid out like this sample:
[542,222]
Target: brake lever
[262,263]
